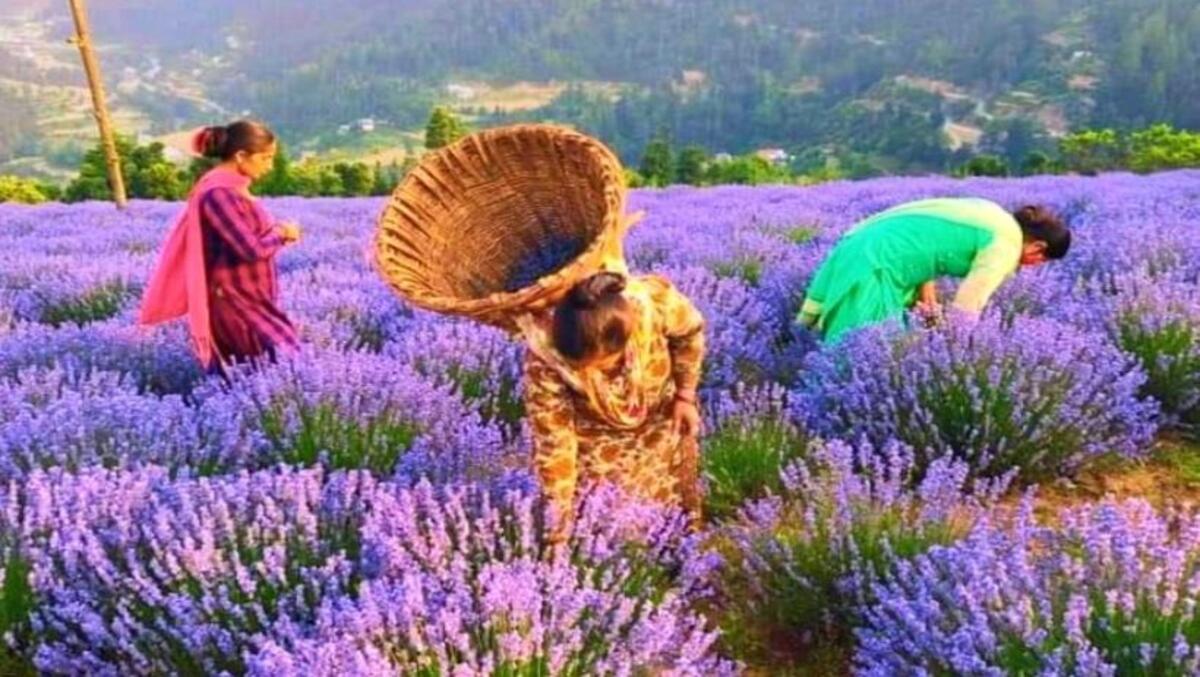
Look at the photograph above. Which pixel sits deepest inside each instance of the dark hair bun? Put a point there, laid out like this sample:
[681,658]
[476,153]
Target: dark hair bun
[1033,214]
[210,142]
[590,292]
[1042,224]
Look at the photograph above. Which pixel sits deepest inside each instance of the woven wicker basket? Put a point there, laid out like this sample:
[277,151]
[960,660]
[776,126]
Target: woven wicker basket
[503,222]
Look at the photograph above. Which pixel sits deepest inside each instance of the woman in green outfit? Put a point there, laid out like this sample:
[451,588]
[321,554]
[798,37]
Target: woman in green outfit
[887,264]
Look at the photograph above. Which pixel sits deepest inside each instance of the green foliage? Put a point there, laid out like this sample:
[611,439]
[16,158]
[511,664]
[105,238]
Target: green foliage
[802,234]
[744,461]
[386,180]
[1038,163]
[748,269]
[1163,147]
[1150,50]
[443,128]
[1169,352]
[146,171]
[278,181]
[312,179]
[16,602]
[657,168]
[806,573]
[690,165]
[797,75]
[1012,140]
[310,435]
[1092,151]
[503,404]
[985,165]
[20,190]
[1156,148]
[356,179]
[749,170]
[97,304]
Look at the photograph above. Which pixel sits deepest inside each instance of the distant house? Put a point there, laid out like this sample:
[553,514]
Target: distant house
[343,130]
[365,124]
[722,157]
[461,92]
[776,156]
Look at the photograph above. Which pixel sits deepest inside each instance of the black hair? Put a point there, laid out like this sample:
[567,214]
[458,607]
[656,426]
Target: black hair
[594,318]
[1042,225]
[224,142]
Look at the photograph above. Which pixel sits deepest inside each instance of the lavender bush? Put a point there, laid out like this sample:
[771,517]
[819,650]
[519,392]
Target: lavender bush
[1037,395]
[804,560]
[480,363]
[1158,322]
[751,439]
[1111,590]
[462,580]
[138,574]
[356,410]
[112,442]
[266,572]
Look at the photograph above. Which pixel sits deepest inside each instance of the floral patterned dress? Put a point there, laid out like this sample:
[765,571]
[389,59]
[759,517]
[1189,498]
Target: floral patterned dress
[590,426]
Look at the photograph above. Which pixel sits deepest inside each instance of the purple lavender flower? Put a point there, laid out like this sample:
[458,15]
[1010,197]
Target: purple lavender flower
[462,580]
[1111,590]
[1037,395]
[804,560]
[357,410]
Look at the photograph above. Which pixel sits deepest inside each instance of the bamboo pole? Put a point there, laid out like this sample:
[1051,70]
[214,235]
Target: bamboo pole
[82,39]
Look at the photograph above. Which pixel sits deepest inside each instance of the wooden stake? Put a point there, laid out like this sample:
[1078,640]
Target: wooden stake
[83,40]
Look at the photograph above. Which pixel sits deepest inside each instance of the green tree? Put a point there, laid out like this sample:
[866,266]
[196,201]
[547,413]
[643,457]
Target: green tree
[1091,151]
[356,179]
[146,171]
[689,168]
[985,165]
[443,128]
[657,168]
[1163,147]
[20,190]
[1013,139]
[381,181]
[1038,162]
[306,179]
[633,179]
[749,170]
[278,181]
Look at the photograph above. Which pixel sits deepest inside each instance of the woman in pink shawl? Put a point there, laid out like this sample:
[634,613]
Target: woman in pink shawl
[218,264]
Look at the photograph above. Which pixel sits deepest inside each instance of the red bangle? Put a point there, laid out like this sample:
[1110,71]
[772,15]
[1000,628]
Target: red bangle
[690,399]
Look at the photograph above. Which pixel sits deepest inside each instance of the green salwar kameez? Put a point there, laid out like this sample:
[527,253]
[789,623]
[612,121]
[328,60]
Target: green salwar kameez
[873,273]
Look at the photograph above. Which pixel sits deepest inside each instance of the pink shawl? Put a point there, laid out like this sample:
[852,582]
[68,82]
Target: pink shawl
[179,285]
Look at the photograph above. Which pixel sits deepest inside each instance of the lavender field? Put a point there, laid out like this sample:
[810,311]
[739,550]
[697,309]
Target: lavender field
[901,505]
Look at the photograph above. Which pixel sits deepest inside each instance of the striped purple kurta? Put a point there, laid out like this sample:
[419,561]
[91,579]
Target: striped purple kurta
[240,244]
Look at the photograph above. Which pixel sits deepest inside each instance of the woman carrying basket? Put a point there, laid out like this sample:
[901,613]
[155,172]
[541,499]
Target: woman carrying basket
[610,390]
[218,264]
[612,360]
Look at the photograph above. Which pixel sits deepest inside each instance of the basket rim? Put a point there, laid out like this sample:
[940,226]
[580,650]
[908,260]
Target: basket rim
[498,302]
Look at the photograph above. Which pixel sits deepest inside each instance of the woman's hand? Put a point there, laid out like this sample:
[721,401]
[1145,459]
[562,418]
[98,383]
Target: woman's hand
[927,305]
[685,415]
[289,231]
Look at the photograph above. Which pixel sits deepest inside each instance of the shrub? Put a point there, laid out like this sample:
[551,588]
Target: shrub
[1037,396]
[1111,590]
[803,561]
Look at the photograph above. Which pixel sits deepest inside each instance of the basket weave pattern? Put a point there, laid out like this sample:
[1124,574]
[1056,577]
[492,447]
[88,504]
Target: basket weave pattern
[502,222]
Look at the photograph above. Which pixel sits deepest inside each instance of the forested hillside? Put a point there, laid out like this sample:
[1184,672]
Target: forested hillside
[876,78]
